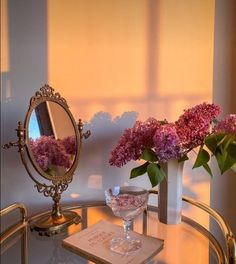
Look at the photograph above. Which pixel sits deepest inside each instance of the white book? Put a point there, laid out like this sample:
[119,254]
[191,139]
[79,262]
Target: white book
[92,243]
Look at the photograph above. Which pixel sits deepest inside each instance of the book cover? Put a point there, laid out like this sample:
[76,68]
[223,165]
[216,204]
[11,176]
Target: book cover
[92,243]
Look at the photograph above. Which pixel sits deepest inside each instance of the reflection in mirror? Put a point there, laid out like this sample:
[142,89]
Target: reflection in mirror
[52,139]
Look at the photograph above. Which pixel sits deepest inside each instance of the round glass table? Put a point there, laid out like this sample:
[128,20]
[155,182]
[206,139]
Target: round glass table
[185,243]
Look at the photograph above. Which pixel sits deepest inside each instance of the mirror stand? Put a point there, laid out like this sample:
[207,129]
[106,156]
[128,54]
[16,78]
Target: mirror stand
[57,220]
[59,151]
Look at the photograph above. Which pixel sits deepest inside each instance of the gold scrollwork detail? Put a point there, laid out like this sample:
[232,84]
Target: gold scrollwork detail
[52,190]
[47,91]
[62,179]
[10,144]
[86,134]
[21,139]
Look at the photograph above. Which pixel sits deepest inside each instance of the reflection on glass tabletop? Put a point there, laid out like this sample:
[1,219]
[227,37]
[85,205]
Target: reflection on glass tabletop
[182,243]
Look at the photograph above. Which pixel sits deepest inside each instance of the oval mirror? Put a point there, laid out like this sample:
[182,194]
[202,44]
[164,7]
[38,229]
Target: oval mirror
[52,139]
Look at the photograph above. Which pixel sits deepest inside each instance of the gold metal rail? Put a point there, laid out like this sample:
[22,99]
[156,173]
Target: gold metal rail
[224,257]
[228,257]
[224,226]
[20,226]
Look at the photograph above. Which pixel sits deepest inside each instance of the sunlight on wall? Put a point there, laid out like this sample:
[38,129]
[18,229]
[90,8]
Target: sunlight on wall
[99,55]
[4,37]
[98,48]
[152,57]
[185,42]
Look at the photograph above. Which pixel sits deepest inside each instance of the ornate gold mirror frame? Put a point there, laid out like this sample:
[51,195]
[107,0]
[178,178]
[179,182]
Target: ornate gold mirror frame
[57,220]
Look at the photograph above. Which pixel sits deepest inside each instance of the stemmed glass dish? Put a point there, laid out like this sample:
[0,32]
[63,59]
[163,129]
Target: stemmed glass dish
[126,202]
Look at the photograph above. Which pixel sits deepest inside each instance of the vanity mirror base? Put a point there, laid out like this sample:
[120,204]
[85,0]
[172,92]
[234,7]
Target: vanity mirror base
[47,225]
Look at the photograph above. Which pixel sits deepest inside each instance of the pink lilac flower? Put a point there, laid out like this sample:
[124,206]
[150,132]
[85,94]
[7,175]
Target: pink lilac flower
[43,162]
[128,201]
[227,125]
[70,145]
[48,151]
[168,140]
[167,143]
[133,142]
[194,125]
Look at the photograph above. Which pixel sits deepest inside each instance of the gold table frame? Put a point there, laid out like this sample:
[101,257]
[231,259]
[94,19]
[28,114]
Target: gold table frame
[227,256]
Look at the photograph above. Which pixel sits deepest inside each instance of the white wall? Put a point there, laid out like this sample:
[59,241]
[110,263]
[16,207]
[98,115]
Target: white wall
[24,70]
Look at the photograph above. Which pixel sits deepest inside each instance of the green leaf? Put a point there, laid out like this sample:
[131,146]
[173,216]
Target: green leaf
[232,150]
[214,141]
[211,143]
[185,157]
[224,161]
[202,158]
[225,142]
[233,168]
[207,168]
[229,162]
[51,172]
[149,155]
[140,170]
[155,173]
[220,161]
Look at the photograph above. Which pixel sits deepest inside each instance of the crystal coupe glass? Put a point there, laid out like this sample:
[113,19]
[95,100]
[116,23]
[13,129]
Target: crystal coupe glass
[126,202]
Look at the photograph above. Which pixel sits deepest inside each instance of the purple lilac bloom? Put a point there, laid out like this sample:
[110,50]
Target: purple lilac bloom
[194,125]
[133,142]
[48,151]
[43,162]
[70,145]
[227,125]
[167,143]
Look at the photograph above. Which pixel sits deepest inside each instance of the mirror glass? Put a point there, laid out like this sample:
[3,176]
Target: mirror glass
[52,139]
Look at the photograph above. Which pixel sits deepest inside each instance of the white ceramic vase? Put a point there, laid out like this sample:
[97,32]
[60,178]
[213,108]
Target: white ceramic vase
[170,193]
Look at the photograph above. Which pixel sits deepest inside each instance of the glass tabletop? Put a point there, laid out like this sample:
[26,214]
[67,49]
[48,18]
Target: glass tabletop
[183,243]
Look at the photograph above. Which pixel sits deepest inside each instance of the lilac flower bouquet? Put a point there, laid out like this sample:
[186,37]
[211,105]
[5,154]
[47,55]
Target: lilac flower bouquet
[156,142]
[50,153]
